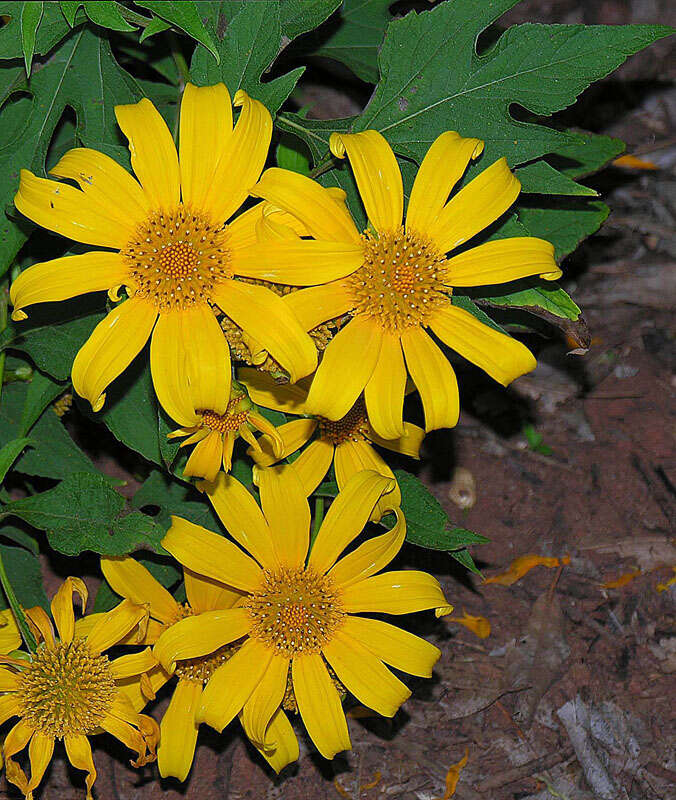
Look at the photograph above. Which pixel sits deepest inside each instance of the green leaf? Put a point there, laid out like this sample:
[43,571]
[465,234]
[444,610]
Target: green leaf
[173,497]
[550,297]
[588,154]
[467,304]
[249,37]
[463,557]
[427,524]
[26,577]
[51,30]
[31,14]
[69,10]
[10,453]
[85,513]
[155,26]
[184,15]
[541,178]
[292,155]
[107,15]
[564,226]
[41,392]
[356,36]
[299,16]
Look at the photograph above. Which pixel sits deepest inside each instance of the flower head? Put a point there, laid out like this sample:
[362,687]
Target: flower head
[405,280]
[173,249]
[68,689]
[297,627]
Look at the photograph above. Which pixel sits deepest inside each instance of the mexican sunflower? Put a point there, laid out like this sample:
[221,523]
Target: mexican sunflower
[300,639]
[405,280]
[168,244]
[68,689]
[346,443]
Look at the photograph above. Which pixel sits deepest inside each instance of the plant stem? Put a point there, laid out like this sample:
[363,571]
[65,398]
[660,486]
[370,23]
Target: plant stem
[17,610]
[4,296]
[179,60]
[317,520]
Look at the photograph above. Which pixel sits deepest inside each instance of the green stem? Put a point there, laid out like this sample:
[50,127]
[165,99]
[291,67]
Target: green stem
[317,520]
[17,610]
[179,60]
[4,297]
[324,166]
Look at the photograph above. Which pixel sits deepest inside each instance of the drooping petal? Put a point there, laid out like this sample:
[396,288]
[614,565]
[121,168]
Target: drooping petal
[114,625]
[69,212]
[280,731]
[66,277]
[179,731]
[264,316]
[141,689]
[132,580]
[264,702]
[206,594]
[231,685]
[498,354]
[107,183]
[318,304]
[133,664]
[10,638]
[128,735]
[396,647]
[293,434]
[475,207]
[206,458]
[40,624]
[287,512]
[377,174]
[40,751]
[361,673]
[62,607]
[353,457]
[395,592]
[371,556]
[347,366]
[79,754]
[346,518]
[206,126]
[408,444]
[443,166]
[9,707]
[153,153]
[243,519]
[434,378]
[502,261]
[112,346]
[264,391]
[308,200]
[211,554]
[384,393]
[242,159]
[313,463]
[8,681]
[319,705]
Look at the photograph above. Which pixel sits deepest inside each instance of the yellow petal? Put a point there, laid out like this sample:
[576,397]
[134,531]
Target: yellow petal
[40,624]
[133,664]
[132,580]
[79,754]
[319,304]
[522,565]
[265,391]
[364,675]
[105,182]
[371,556]
[396,592]
[128,735]
[206,126]
[377,174]
[384,393]
[475,207]
[211,554]
[9,681]
[346,518]
[169,369]
[308,200]
[347,366]
[287,512]
[10,638]
[40,751]
[67,211]
[293,435]
[242,159]
[153,153]
[179,731]
[264,702]
[66,277]
[352,457]
[502,261]
[407,445]
[112,346]
[205,594]
[443,166]
[243,519]
[280,731]
[62,607]
[9,707]
[434,378]
[319,705]
[232,684]
[498,354]
[114,625]
[478,625]
[206,458]
[141,689]
[313,463]
[453,776]
[396,647]
[264,316]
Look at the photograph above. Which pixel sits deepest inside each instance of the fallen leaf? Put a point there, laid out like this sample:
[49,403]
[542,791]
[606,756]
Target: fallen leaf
[662,587]
[623,580]
[478,625]
[452,777]
[632,162]
[522,565]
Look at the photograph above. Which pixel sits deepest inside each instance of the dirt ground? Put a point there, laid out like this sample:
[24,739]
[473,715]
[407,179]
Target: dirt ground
[569,695]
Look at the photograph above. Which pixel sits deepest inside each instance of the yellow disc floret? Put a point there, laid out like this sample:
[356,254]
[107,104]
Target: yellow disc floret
[352,427]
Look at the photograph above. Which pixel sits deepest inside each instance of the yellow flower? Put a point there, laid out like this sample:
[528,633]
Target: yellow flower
[297,627]
[214,435]
[345,442]
[10,638]
[404,282]
[67,689]
[174,252]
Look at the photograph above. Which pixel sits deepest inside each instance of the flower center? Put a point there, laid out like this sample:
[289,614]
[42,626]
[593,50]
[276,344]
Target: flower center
[295,611]
[230,421]
[66,689]
[401,281]
[353,426]
[176,259]
[203,667]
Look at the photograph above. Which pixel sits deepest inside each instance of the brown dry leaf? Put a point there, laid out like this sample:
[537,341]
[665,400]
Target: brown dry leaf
[471,685]
[523,564]
[537,659]
[647,552]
